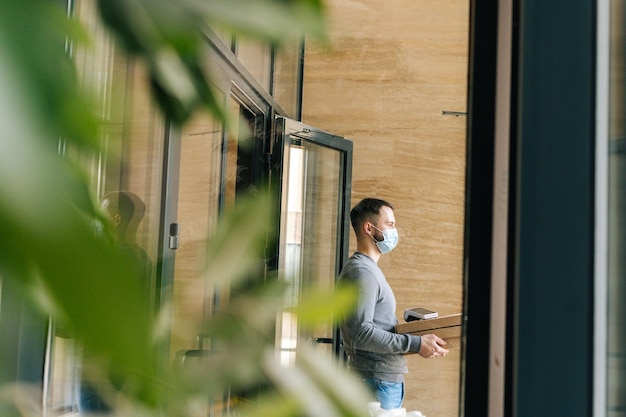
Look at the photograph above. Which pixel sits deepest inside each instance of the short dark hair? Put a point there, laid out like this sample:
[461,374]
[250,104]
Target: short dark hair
[368,209]
[130,208]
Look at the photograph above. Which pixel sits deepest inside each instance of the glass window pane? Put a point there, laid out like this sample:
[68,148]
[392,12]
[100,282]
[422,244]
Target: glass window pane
[255,56]
[126,176]
[287,78]
[198,208]
[212,172]
[308,245]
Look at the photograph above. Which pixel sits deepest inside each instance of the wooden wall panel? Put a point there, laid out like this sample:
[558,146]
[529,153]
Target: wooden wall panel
[388,73]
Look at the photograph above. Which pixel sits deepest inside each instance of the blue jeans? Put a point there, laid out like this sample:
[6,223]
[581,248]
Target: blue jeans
[389,394]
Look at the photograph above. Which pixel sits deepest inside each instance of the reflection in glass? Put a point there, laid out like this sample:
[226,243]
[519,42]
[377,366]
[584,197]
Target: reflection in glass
[131,136]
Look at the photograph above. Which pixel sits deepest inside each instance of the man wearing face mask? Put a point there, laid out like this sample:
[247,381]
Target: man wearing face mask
[374,350]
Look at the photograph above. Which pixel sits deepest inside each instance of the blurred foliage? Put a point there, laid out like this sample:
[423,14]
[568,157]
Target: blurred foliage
[47,212]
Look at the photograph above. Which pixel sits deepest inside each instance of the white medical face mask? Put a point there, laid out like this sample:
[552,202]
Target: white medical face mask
[390,240]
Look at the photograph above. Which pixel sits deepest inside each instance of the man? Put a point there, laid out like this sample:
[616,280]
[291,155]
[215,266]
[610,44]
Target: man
[374,350]
[126,211]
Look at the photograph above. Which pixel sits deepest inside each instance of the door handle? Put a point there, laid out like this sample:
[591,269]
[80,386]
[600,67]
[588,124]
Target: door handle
[318,340]
[174,233]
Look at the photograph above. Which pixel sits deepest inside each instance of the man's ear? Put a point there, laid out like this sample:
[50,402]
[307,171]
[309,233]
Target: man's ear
[366,228]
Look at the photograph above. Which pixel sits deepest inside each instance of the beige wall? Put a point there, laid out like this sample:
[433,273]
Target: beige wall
[389,72]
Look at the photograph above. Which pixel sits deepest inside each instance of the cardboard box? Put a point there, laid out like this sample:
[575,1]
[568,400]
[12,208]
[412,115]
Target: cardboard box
[449,328]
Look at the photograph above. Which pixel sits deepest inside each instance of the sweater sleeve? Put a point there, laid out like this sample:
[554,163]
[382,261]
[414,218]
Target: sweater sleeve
[361,331]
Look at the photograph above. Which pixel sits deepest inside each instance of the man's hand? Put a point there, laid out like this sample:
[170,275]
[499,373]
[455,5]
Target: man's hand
[432,347]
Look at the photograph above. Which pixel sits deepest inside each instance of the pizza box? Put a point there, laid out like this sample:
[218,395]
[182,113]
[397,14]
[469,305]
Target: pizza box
[449,328]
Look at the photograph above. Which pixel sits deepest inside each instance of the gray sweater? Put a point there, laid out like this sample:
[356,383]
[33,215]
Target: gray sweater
[373,349]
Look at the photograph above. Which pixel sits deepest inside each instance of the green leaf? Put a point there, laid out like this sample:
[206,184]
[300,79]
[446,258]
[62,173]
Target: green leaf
[237,246]
[319,305]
